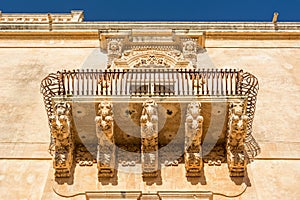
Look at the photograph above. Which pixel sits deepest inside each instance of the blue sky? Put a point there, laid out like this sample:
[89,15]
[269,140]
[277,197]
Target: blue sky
[163,10]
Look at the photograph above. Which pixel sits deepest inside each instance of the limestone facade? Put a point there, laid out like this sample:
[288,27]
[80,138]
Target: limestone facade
[29,54]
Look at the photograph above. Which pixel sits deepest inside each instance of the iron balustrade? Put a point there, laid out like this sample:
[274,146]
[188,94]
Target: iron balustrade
[150,82]
[156,82]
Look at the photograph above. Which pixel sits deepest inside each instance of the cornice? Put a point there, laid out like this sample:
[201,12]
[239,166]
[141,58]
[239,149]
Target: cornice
[89,30]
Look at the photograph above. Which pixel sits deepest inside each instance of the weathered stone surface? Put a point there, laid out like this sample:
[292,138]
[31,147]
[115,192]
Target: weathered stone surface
[273,175]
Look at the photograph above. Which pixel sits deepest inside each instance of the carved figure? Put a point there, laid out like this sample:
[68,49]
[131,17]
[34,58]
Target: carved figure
[149,133]
[105,134]
[237,130]
[193,134]
[104,120]
[114,50]
[193,126]
[63,139]
[149,113]
[190,51]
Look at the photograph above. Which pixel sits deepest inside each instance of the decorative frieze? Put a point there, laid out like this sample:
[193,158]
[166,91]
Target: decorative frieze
[61,132]
[193,134]
[151,59]
[149,136]
[106,144]
[237,131]
[118,44]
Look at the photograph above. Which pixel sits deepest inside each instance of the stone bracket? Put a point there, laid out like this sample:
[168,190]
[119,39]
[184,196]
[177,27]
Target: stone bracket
[106,149]
[237,131]
[62,133]
[193,134]
[149,137]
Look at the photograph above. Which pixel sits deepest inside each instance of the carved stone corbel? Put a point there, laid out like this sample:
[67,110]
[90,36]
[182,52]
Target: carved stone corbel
[106,143]
[237,131]
[61,132]
[190,50]
[193,134]
[149,135]
[114,50]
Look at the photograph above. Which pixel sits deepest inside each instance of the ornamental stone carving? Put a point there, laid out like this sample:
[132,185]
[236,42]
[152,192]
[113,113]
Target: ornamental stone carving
[105,135]
[190,50]
[216,155]
[193,164]
[193,134]
[151,58]
[149,135]
[61,132]
[117,43]
[237,131]
[114,50]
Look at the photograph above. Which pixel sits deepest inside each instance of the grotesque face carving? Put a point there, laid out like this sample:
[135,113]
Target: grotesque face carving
[114,47]
[149,107]
[61,108]
[105,109]
[194,109]
[237,107]
[61,159]
[193,160]
[189,46]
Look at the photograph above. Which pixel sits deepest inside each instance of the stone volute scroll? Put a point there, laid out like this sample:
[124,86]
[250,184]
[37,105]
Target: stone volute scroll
[193,134]
[106,143]
[237,131]
[61,131]
[149,137]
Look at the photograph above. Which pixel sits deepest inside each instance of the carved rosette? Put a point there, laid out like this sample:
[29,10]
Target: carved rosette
[106,144]
[149,136]
[237,131]
[61,132]
[193,134]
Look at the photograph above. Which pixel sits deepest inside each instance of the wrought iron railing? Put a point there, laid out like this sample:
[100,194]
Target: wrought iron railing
[156,82]
[151,82]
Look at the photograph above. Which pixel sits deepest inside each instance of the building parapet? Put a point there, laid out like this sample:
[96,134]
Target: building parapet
[74,16]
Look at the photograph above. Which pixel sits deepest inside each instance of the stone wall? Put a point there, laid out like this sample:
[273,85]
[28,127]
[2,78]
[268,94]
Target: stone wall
[26,167]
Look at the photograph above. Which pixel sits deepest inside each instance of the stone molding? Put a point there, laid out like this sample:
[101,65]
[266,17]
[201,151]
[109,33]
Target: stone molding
[74,16]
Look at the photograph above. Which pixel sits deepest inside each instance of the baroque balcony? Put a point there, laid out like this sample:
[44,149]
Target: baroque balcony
[86,111]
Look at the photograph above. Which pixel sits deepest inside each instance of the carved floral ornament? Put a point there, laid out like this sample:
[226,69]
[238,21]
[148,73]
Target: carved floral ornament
[155,48]
[152,58]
